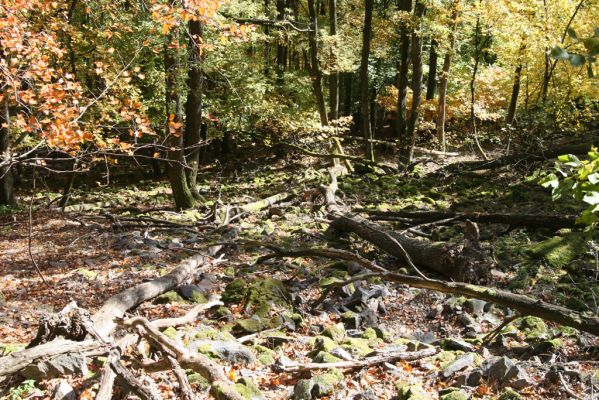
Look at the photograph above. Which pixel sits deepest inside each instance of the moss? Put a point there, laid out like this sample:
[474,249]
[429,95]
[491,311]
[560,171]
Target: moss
[323,343]
[357,346]
[197,380]
[534,328]
[248,389]
[6,349]
[324,357]
[169,298]
[229,271]
[455,395]
[198,297]
[249,325]
[446,357]
[264,355]
[87,274]
[205,332]
[369,333]
[509,394]
[405,391]
[561,250]
[235,292]
[170,332]
[335,332]
[325,384]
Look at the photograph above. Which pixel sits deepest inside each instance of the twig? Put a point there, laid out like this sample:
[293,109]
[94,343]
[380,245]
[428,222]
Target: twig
[567,388]
[30,232]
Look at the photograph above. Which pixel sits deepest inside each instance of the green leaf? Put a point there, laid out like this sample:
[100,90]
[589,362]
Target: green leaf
[592,45]
[591,198]
[550,180]
[593,178]
[577,60]
[559,53]
[570,160]
[587,217]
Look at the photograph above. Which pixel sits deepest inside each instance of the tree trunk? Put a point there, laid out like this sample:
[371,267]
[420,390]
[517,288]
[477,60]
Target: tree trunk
[348,98]
[408,153]
[193,105]
[315,71]
[7,194]
[511,114]
[364,93]
[431,83]
[478,47]
[334,77]
[441,110]
[281,48]
[182,194]
[402,78]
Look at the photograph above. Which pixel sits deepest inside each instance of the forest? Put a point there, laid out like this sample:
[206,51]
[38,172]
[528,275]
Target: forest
[299,199]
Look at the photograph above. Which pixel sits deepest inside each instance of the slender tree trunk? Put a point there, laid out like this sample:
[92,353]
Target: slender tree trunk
[348,98]
[267,35]
[334,77]
[315,71]
[193,105]
[281,47]
[441,110]
[431,83]
[478,46]
[402,78]
[511,114]
[174,110]
[7,194]
[419,10]
[364,95]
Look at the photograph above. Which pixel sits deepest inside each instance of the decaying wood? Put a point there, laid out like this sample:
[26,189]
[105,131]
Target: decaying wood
[368,361]
[16,361]
[105,319]
[187,318]
[523,220]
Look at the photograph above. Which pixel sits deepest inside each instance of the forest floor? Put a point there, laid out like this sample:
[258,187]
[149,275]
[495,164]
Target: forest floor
[101,245]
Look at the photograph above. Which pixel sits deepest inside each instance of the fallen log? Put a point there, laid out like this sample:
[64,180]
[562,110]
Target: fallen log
[524,304]
[576,149]
[522,220]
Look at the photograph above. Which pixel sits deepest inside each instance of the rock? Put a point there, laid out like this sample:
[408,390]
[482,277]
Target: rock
[86,273]
[453,394]
[265,355]
[324,357]
[456,344]
[498,368]
[235,292]
[209,333]
[248,389]
[469,322]
[465,361]
[509,394]
[351,320]
[561,250]
[405,391]
[368,318]
[424,337]
[471,379]
[192,293]
[521,379]
[325,384]
[474,306]
[369,333]
[534,328]
[323,343]
[171,333]
[198,380]
[342,354]
[357,346]
[367,394]
[249,325]
[231,351]
[546,346]
[64,391]
[335,332]
[66,364]
[303,389]
[169,298]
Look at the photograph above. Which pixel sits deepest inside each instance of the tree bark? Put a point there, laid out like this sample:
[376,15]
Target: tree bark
[348,97]
[281,47]
[402,78]
[7,194]
[511,114]
[334,76]
[408,153]
[431,83]
[364,92]
[478,48]
[442,108]
[178,178]
[193,105]
[315,72]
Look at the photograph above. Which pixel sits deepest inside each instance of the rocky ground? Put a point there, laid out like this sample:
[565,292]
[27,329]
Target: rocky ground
[269,321]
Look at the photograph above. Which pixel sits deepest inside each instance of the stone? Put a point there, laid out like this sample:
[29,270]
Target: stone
[326,383]
[198,380]
[324,357]
[209,333]
[231,351]
[456,394]
[265,355]
[342,354]
[303,390]
[235,292]
[498,368]
[66,364]
[456,344]
[369,333]
[367,394]
[406,391]
[534,328]
[424,337]
[521,379]
[335,332]
[463,362]
[546,346]
[192,293]
[471,379]
[509,394]
[357,346]
[64,391]
[248,389]
[351,320]
[169,298]
[474,306]
[368,318]
[559,251]
[323,343]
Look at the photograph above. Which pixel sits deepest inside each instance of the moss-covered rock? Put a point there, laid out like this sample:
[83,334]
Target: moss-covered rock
[265,355]
[357,346]
[509,394]
[197,380]
[406,391]
[205,332]
[323,343]
[261,294]
[534,328]
[235,292]
[369,333]
[249,325]
[324,357]
[456,394]
[325,384]
[248,389]
[335,332]
[170,332]
[7,348]
[87,274]
[169,298]
[561,250]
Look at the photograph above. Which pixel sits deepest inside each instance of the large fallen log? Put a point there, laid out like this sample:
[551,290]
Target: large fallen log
[517,158]
[522,220]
